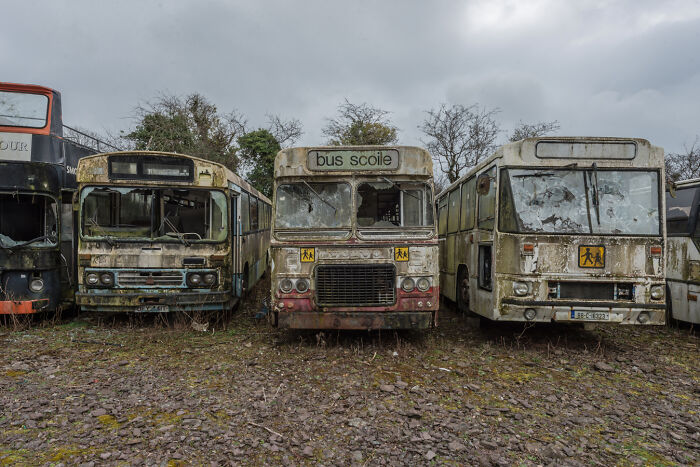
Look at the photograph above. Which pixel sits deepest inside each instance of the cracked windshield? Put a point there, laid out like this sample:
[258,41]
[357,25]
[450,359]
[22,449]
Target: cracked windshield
[313,205]
[38,214]
[580,201]
[394,204]
[154,215]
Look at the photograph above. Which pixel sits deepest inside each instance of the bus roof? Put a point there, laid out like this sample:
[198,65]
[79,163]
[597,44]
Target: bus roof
[33,88]
[94,169]
[560,151]
[351,160]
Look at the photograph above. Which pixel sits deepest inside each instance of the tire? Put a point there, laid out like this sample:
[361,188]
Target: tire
[463,290]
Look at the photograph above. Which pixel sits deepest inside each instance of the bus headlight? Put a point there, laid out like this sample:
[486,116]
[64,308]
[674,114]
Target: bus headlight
[36,284]
[408,284]
[194,279]
[302,285]
[92,279]
[520,288]
[209,278]
[657,292]
[107,279]
[286,285]
[423,284]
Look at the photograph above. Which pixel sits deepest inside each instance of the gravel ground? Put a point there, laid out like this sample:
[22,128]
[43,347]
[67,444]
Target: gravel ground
[98,390]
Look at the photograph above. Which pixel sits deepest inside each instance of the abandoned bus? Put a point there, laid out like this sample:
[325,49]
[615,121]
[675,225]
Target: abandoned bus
[558,229]
[683,268]
[166,232]
[37,180]
[354,241]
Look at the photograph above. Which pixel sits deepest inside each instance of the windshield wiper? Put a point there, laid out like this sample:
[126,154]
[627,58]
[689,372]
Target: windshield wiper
[177,233]
[401,189]
[335,210]
[536,174]
[105,235]
[595,200]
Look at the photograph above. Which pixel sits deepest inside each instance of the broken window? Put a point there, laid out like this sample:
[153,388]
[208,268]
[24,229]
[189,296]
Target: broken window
[27,219]
[394,204]
[317,205]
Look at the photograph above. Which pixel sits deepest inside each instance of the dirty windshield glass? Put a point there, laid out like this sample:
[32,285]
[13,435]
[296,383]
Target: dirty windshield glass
[38,227]
[154,214]
[23,109]
[581,201]
[394,204]
[313,206]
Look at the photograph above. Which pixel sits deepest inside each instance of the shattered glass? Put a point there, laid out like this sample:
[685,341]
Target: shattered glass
[313,206]
[39,220]
[394,204]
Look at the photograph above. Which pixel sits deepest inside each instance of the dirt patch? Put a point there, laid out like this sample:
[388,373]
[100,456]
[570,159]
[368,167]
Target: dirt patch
[115,390]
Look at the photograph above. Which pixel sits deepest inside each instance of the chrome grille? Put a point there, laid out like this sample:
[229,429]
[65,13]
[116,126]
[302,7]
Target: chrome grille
[355,284]
[150,278]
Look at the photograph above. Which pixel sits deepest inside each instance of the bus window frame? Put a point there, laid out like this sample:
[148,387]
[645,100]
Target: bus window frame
[442,232]
[458,207]
[493,188]
[467,222]
[29,129]
[692,218]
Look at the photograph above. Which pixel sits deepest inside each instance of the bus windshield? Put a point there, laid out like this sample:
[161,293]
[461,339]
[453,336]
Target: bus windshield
[22,109]
[394,204]
[580,201]
[164,214]
[317,205]
[38,227]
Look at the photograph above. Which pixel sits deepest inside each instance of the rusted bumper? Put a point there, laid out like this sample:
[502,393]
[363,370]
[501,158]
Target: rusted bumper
[563,311]
[355,320]
[23,307]
[145,301]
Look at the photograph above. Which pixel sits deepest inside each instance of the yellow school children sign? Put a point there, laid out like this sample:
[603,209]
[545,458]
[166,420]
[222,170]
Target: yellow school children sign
[307,255]
[591,256]
[401,253]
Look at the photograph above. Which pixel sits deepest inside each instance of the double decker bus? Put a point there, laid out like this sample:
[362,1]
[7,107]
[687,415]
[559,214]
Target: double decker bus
[37,180]
[163,232]
[683,267]
[354,240]
[558,229]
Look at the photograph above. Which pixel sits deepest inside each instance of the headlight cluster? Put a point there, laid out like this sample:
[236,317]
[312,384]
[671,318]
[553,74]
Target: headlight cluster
[36,284]
[520,288]
[201,279]
[657,292]
[287,285]
[102,279]
[409,284]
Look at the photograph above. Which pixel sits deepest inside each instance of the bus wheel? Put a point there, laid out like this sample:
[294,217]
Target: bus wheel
[463,290]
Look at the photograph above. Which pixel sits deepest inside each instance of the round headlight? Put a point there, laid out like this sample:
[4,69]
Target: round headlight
[36,284]
[92,279]
[423,284]
[286,285]
[302,285]
[209,278]
[657,292]
[408,284]
[530,314]
[520,288]
[106,278]
[195,279]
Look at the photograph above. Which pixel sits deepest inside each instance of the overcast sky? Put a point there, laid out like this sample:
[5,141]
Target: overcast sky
[610,68]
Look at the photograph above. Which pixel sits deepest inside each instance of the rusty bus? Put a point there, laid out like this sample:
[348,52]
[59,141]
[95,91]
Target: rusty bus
[683,268]
[558,229]
[37,180]
[354,240]
[164,232]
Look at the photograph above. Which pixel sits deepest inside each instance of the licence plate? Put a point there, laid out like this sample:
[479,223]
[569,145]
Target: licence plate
[152,309]
[590,315]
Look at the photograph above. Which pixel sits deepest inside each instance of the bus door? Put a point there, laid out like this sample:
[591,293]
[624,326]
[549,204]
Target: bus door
[486,189]
[235,245]
[68,241]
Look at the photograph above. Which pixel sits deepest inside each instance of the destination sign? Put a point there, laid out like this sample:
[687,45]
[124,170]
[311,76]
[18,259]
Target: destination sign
[343,160]
[15,146]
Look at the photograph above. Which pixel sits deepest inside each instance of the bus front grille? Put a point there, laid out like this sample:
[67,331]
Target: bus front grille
[355,284]
[149,278]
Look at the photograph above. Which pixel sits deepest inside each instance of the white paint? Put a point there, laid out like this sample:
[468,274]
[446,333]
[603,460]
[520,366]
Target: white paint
[15,147]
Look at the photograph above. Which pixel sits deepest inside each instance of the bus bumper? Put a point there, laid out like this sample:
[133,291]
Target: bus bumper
[23,307]
[582,312]
[361,320]
[140,302]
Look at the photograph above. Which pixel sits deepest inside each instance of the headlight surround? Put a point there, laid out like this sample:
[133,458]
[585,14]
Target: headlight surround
[36,284]
[92,278]
[408,284]
[520,288]
[302,285]
[657,292]
[286,285]
[194,279]
[107,279]
[423,284]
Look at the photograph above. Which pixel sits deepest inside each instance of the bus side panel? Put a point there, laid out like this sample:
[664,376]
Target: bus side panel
[683,279]
[448,280]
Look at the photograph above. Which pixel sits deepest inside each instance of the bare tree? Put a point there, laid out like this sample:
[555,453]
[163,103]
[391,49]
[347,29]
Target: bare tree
[682,166]
[531,130]
[360,124]
[459,136]
[286,132]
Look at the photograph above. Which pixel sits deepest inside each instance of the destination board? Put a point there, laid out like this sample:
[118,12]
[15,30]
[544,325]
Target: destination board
[343,160]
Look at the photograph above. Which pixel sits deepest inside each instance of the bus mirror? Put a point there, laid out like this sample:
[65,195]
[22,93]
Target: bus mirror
[672,188]
[483,184]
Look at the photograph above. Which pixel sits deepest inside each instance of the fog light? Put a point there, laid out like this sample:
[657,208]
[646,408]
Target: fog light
[302,285]
[423,284]
[657,292]
[286,285]
[420,304]
[520,288]
[92,279]
[429,304]
[408,284]
[643,317]
[36,285]
[530,314]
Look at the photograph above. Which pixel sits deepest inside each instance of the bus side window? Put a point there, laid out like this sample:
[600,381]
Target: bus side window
[245,212]
[487,199]
[253,213]
[468,204]
[453,211]
[442,216]
[485,280]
